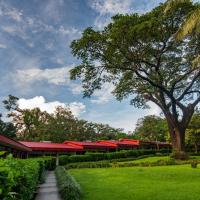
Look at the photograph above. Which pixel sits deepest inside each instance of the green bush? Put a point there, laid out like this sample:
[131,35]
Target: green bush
[69,189]
[19,178]
[97,164]
[194,164]
[89,157]
[179,155]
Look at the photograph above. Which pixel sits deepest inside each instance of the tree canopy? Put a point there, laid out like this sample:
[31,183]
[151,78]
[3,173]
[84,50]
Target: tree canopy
[140,57]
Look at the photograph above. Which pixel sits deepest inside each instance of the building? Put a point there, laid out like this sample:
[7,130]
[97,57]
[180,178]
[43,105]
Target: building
[12,146]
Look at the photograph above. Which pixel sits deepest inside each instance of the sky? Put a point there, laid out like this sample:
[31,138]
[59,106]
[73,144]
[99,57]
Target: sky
[35,56]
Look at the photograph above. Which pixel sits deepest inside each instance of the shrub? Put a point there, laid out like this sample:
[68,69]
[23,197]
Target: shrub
[68,187]
[89,157]
[99,164]
[179,155]
[19,178]
[194,164]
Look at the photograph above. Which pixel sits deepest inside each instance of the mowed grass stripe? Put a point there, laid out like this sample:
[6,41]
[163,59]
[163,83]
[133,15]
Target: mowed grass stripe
[140,183]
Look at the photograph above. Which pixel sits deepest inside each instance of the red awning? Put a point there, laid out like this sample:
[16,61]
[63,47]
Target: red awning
[8,142]
[57,147]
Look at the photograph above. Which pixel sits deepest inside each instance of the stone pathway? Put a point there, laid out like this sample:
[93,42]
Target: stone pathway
[48,190]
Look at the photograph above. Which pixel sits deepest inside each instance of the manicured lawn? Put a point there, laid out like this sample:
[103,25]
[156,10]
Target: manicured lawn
[149,159]
[157,158]
[140,183]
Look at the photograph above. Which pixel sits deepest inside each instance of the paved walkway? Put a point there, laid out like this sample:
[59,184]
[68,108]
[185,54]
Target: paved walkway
[48,190]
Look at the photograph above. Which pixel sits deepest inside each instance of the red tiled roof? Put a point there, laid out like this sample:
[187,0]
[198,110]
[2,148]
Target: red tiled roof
[5,141]
[92,145]
[44,146]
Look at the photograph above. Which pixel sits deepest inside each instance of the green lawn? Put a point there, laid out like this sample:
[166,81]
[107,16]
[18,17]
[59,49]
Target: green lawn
[140,183]
[149,159]
[157,158]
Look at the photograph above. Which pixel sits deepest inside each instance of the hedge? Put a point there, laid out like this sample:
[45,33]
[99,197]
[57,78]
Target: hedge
[107,164]
[89,157]
[69,189]
[19,178]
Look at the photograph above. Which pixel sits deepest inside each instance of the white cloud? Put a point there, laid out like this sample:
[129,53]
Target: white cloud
[111,6]
[3,46]
[104,95]
[25,78]
[77,108]
[57,76]
[107,8]
[15,15]
[9,29]
[68,31]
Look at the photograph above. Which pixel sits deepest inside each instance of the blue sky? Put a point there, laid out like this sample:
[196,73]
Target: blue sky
[35,56]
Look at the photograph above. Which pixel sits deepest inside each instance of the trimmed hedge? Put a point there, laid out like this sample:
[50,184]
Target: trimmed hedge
[107,164]
[19,178]
[69,189]
[88,157]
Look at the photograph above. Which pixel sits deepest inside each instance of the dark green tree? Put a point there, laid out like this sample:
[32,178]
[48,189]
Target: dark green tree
[151,128]
[138,55]
[7,129]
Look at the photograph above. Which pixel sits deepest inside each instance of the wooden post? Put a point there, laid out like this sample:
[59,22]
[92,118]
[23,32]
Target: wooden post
[57,159]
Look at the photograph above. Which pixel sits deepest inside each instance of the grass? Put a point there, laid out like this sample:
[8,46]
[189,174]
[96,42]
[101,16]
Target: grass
[139,183]
[156,158]
[149,159]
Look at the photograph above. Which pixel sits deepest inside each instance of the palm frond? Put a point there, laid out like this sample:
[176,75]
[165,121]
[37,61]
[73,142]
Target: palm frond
[173,3]
[190,24]
[196,62]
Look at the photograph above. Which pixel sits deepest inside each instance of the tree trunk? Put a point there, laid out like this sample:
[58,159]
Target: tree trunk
[178,139]
[196,147]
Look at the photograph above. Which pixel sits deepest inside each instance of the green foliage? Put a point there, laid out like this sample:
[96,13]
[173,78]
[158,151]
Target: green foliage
[7,128]
[19,178]
[63,160]
[137,54]
[36,125]
[68,187]
[178,182]
[179,155]
[194,164]
[96,164]
[193,132]
[151,128]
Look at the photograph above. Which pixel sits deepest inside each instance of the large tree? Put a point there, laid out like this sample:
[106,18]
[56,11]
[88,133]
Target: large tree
[140,57]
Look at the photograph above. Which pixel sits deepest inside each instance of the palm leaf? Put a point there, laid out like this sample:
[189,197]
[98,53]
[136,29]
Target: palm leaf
[196,62]
[190,24]
[173,3]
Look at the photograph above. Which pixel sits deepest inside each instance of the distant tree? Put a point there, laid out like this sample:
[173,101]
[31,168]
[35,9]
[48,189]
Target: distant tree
[193,132]
[11,103]
[7,129]
[140,57]
[151,128]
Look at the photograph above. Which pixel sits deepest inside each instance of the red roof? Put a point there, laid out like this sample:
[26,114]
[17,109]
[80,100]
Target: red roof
[124,142]
[45,146]
[92,145]
[8,142]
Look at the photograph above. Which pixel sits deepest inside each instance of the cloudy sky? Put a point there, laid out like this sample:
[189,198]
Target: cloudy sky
[35,56]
